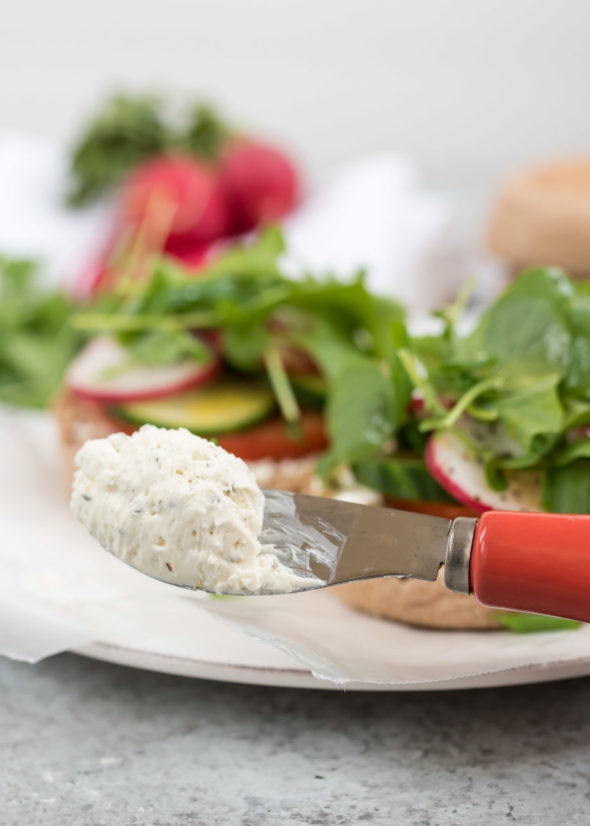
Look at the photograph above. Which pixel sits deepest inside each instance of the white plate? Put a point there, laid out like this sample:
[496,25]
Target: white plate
[60,591]
[257,673]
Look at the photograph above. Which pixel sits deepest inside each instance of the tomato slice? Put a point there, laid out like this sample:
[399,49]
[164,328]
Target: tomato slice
[272,440]
[447,510]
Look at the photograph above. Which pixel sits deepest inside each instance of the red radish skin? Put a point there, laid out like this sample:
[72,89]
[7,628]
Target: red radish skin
[89,279]
[213,338]
[184,195]
[445,481]
[96,274]
[194,257]
[158,382]
[120,398]
[96,277]
[197,257]
[447,460]
[261,184]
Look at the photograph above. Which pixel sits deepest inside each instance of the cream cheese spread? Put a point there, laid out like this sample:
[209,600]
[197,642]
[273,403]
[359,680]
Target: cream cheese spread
[179,508]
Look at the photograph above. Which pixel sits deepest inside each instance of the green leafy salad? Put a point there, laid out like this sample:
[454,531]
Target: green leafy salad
[515,391]
[495,416]
[36,339]
[130,128]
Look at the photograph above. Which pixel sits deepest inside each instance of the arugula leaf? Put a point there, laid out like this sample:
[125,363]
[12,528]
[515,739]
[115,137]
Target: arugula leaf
[576,412]
[515,387]
[330,348]
[127,130]
[350,308]
[530,406]
[528,324]
[578,449]
[359,413]
[36,341]
[340,327]
[159,348]
[205,133]
[463,404]
[245,345]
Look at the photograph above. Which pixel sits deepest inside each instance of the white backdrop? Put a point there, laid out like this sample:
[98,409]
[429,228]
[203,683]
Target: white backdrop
[469,89]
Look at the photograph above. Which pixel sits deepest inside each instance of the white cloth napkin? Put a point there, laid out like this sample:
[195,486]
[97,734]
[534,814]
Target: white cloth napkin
[375,215]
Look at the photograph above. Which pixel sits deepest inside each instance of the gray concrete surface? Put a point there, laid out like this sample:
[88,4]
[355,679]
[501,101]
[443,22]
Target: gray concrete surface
[93,744]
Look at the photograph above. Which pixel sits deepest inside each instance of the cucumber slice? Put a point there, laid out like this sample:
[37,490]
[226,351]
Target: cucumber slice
[222,407]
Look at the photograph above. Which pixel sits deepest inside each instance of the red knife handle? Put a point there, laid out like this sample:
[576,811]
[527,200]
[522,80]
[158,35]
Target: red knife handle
[535,562]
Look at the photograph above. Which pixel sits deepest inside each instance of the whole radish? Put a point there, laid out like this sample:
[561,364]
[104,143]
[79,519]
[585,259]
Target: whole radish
[261,184]
[194,256]
[175,200]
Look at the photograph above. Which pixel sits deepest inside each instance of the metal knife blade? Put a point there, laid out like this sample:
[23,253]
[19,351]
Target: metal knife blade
[339,541]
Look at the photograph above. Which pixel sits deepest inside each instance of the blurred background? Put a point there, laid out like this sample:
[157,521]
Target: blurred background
[468,90]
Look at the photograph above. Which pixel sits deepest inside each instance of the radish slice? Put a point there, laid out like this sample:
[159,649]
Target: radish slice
[462,475]
[99,373]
